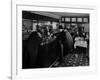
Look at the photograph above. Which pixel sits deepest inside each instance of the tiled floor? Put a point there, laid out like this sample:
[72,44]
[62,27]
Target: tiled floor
[73,59]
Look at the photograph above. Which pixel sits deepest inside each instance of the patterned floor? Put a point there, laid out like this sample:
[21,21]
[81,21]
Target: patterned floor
[73,59]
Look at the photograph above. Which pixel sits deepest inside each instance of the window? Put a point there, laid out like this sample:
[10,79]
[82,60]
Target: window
[67,19]
[79,19]
[85,19]
[73,19]
[62,19]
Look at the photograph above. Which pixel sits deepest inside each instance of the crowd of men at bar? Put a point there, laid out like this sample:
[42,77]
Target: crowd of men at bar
[54,39]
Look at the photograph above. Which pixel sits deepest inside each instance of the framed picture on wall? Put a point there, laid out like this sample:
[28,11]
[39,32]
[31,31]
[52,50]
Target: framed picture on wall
[38,49]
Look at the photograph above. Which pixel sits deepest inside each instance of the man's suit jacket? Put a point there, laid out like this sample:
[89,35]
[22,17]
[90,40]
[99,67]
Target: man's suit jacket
[31,51]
